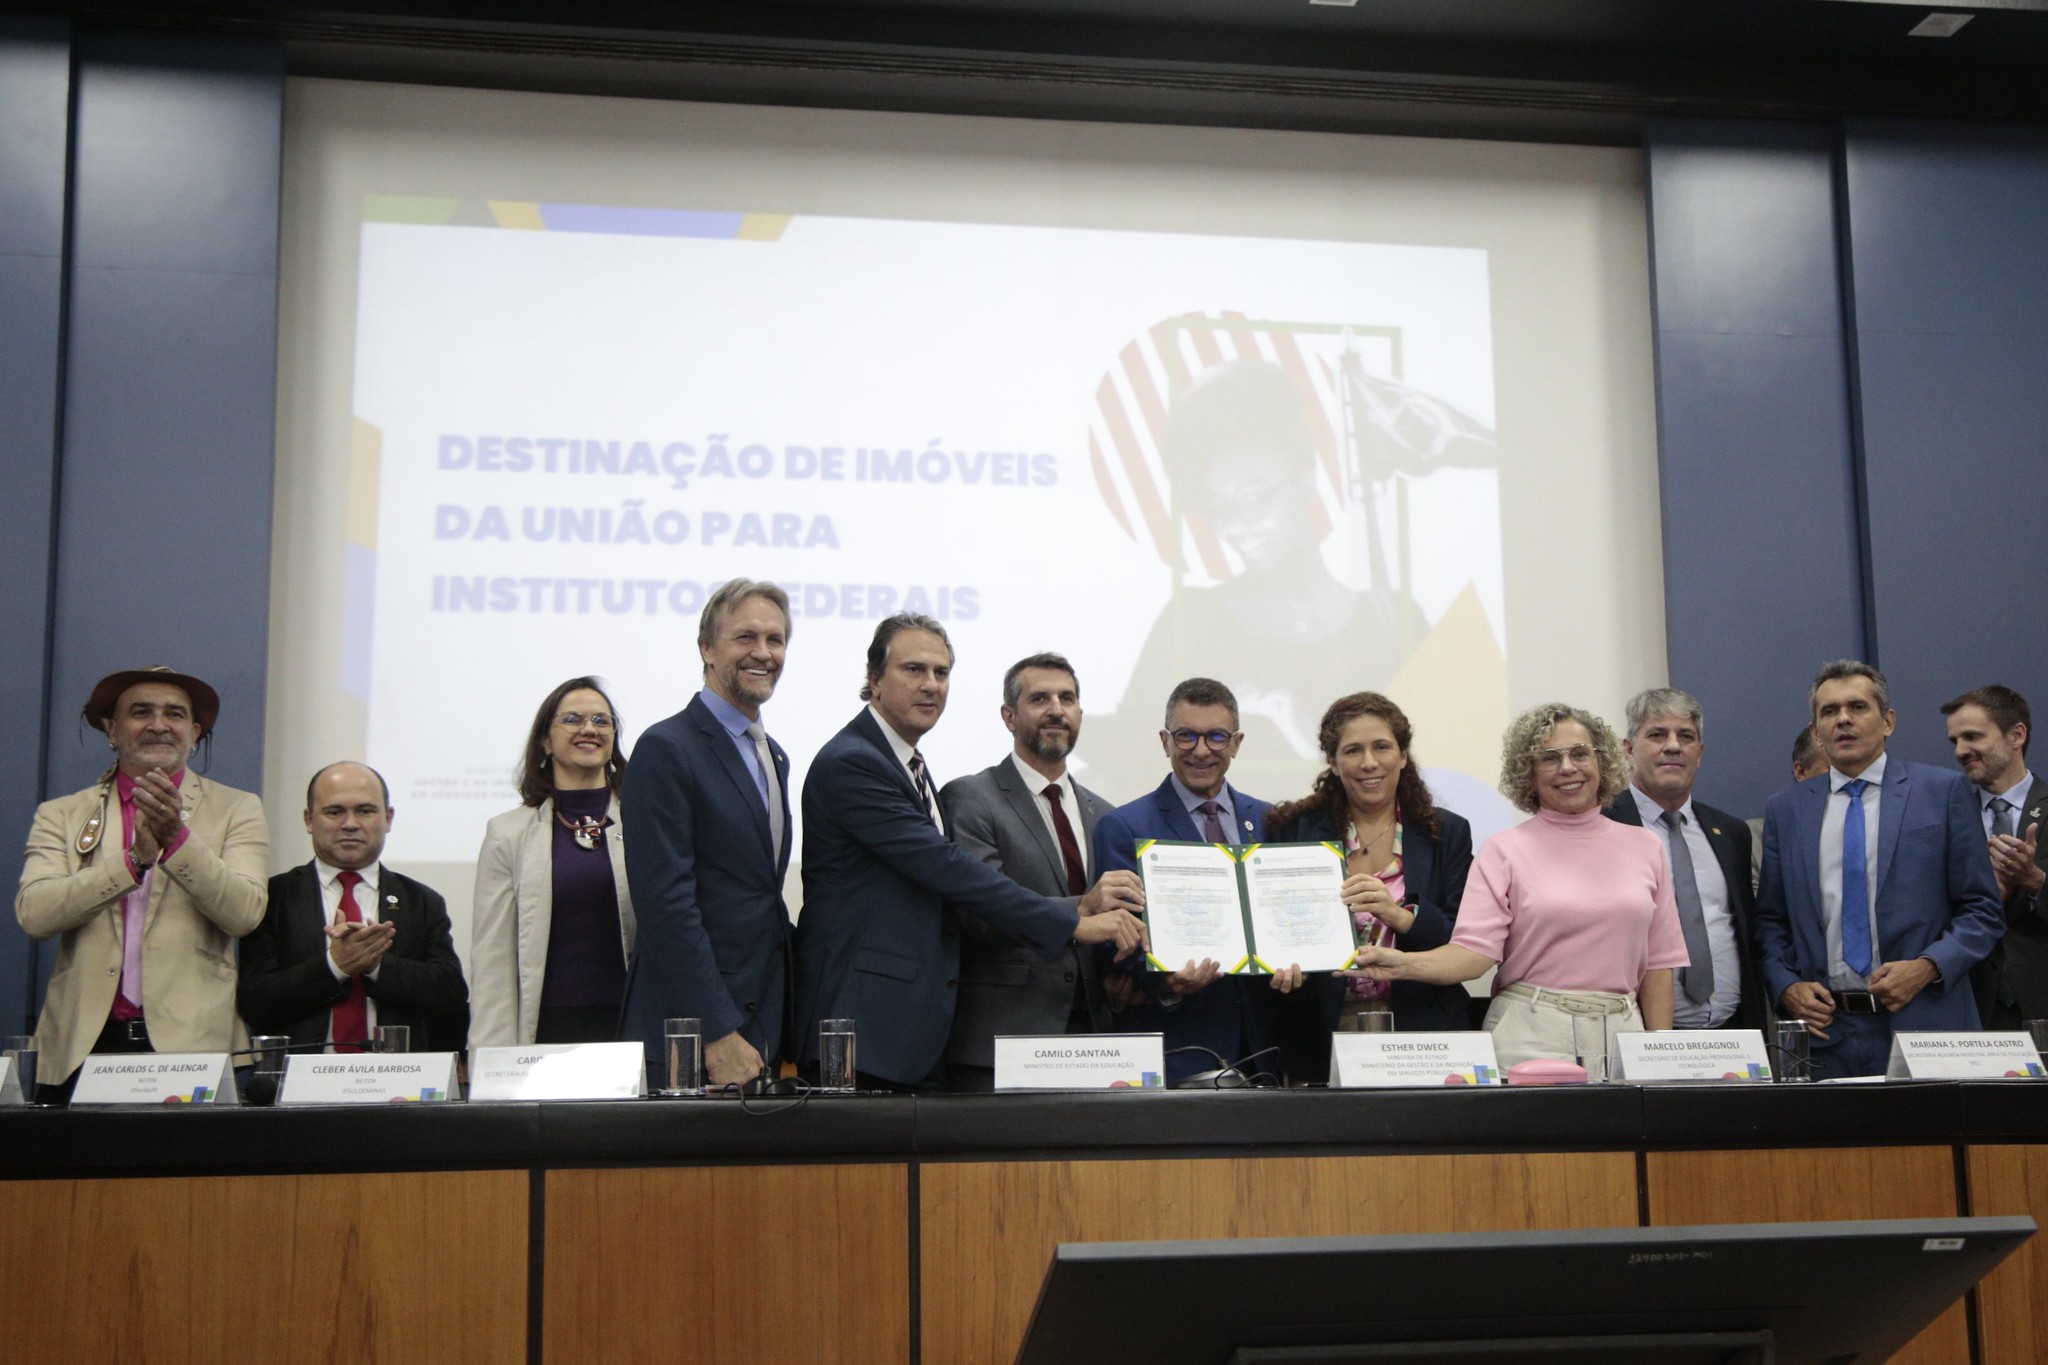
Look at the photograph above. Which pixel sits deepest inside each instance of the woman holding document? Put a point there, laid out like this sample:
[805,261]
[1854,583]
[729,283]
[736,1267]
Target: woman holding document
[1406,862]
[1576,910]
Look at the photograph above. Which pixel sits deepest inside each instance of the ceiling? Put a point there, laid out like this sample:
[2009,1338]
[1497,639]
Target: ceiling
[1570,70]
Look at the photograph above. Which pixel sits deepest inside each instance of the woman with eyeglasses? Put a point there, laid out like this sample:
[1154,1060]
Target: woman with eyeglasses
[553,926]
[1576,910]
[1406,858]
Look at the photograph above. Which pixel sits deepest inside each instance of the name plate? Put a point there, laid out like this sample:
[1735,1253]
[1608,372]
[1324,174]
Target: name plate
[558,1071]
[1364,1061]
[1081,1061]
[1706,1054]
[156,1078]
[1963,1057]
[10,1083]
[368,1078]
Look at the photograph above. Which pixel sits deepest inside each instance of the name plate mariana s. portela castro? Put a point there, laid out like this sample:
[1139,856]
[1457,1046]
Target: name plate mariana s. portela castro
[1963,1057]
[156,1078]
[368,1078]
[1081,1061]
[1716,1054]
[1360,1061]
[558,1071]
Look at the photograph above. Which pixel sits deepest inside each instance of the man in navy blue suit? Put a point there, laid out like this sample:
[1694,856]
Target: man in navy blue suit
[879,938]
[1195,804]
[1878,895]
[706,830]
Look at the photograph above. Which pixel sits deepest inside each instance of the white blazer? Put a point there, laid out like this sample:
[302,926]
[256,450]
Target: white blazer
[513,913]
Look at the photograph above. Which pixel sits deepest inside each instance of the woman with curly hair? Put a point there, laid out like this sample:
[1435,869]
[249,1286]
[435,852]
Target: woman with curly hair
[1407,860]
[1576,910]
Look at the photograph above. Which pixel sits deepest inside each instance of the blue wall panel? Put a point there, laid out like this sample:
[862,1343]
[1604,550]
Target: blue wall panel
[1762,575]
[1948,233]
[164,534]
[35,97]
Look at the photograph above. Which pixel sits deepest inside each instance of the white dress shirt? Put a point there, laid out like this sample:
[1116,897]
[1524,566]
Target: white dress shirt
[904,749]
[1840,975]
[1715,911]
[1035,782]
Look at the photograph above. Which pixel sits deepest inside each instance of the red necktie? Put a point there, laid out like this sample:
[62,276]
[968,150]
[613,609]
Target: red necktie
[1070,852]
[351,1023]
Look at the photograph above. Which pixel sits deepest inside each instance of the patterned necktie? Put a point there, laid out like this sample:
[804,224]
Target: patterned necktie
[1212,822]
[1070,851]
[350,1025]
[1698,979]
[923,777]
[773,791]
[1855,884]
[2001,816]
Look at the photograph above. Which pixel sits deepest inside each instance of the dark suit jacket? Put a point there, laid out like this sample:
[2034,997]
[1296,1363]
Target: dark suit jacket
[1936,896]
[1729,838]
[1006,988]
[879,940]
[713,939]
[287,987]
[2012,982]
[1233,1018]
[1434,872]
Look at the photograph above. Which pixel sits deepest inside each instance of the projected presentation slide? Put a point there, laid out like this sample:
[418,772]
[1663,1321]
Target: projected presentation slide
[1264,460]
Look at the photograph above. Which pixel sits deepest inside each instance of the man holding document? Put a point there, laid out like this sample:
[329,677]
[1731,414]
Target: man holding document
[1192,894]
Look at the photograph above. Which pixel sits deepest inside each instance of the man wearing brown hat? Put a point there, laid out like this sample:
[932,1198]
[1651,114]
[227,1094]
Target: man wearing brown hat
[149,876]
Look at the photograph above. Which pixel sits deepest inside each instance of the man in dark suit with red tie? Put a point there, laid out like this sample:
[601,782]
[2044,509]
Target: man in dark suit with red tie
[879,938]
[1030,820]
[347,945]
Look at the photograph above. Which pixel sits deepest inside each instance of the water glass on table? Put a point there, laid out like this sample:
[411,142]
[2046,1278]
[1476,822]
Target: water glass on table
[684,1039]
[835,1054]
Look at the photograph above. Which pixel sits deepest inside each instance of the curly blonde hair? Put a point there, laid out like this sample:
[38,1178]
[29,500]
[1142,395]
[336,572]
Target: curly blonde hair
[1528,736]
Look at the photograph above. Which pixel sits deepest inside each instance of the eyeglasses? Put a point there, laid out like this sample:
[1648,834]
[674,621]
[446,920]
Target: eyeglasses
[575,720]
[1186,739]
[1550,760]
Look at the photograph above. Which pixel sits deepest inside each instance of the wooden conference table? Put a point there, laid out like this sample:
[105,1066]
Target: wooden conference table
[894,1229]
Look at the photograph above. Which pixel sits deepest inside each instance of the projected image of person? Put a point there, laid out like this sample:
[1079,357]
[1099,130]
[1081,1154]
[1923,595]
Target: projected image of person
[1407,859]
[1577,910]
[1240,451]
[553,920]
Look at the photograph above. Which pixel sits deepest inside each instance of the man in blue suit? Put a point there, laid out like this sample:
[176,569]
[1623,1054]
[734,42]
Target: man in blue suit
[879,938]
[1195,804]
[706,830]
[1878,895]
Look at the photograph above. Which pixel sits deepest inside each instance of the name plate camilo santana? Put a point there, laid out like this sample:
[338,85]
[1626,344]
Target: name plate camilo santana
[1963,1057]
[1705,1054]
[156,1078]
[368,1078]
[1081,1061]
[558,1071]
[1366,1060]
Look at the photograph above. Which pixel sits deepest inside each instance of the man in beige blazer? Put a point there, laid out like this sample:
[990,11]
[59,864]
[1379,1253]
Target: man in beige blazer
[149,877]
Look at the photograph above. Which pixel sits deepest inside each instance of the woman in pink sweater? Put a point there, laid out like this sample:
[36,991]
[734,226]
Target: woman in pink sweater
[1575,909]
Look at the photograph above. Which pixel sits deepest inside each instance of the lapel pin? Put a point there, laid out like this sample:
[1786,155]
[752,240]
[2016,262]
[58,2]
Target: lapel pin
[391,900]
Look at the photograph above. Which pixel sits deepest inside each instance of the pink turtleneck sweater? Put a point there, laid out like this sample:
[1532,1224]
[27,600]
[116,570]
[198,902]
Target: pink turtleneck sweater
[1572,902]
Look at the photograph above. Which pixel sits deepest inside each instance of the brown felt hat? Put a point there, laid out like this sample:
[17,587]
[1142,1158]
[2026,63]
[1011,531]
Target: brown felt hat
[99,708]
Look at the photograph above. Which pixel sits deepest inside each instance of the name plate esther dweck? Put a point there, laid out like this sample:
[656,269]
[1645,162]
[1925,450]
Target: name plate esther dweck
[558,1071]
[1081,1061]
[1963,1057]
[156,1078]
[369,1078]
[1721,1054]
[1361,1061]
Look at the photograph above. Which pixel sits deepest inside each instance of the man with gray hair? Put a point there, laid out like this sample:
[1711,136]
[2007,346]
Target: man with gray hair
[1029,819]
[705,818]
[1708,852]
[1878,896]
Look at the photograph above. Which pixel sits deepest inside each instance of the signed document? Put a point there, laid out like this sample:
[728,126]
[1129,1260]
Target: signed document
[1253,908]
[1294,900]
[1193,906]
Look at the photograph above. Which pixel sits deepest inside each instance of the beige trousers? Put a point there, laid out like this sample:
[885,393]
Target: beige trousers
[1528,1022]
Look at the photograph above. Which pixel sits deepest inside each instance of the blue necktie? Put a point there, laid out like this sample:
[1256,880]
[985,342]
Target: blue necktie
[1855,883]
